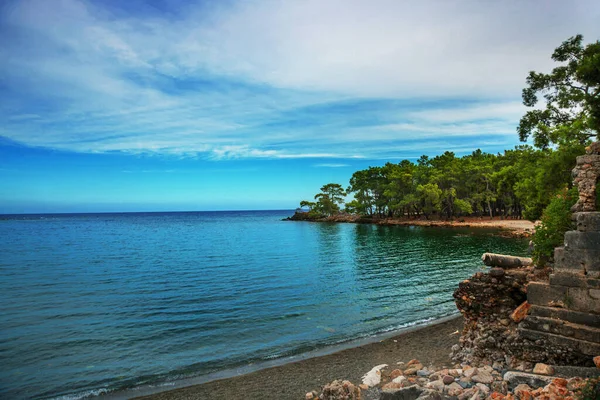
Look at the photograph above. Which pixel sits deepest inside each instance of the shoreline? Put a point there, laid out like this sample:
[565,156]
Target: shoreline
[519,228]
[292,377]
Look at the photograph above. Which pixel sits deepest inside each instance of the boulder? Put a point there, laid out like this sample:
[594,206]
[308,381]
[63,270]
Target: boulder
[543,369]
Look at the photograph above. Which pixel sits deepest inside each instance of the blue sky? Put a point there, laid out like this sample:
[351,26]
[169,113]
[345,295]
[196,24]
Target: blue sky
[189,105]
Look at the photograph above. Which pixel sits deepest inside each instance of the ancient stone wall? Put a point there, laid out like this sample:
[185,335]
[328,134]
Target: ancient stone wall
[565,312]
[488,302]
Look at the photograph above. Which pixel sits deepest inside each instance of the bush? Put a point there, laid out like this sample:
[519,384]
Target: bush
[555,221]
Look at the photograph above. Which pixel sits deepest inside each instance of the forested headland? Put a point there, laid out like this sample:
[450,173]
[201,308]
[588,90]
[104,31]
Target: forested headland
[518,183]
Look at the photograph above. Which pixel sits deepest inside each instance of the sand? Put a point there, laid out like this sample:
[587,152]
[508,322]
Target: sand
[430,344]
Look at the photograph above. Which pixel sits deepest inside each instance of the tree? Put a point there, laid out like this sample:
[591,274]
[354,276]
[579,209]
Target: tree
[572,96]
[330,198]
[430,197]
[308,204]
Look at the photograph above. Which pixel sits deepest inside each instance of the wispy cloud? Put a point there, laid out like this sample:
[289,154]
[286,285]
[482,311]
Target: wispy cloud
[280,80]
[331,165]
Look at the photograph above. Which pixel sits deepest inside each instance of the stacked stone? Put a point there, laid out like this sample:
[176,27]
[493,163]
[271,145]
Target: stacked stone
[564,324]
[486,301]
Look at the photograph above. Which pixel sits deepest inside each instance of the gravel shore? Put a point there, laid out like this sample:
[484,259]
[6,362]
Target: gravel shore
[430,344]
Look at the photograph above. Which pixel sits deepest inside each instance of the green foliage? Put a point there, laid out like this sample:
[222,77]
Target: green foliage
[429,196]
[520,183]
[308,204]
[571,94]
[556,220]
[330,198]
[590,391]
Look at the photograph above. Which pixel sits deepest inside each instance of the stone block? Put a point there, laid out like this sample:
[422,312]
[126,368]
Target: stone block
[575,317]
[582,240]
[567,343]
[582,260]
[542,294]
[587,221]
[583,299]
[562,328]
[516,378]
[568,371]
[573,279]
[572,298]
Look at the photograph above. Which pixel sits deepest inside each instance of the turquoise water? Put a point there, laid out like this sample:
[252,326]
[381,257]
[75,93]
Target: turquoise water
[96,302]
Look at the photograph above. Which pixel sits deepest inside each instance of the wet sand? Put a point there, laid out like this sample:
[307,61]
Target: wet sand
[430,344]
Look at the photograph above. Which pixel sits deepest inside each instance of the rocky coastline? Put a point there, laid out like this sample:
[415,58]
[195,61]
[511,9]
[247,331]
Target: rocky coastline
[492,361]
[530,332]
[518,228]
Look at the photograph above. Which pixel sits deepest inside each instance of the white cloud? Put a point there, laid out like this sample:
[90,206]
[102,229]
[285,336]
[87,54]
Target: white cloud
[210,80]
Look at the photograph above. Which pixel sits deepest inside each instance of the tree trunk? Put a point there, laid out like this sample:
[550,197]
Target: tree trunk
[504,261]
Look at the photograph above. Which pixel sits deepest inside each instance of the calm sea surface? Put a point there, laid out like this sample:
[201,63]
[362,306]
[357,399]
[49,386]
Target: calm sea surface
[109,301]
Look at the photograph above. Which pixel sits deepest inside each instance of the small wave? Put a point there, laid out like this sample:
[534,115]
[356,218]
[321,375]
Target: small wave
[84,395]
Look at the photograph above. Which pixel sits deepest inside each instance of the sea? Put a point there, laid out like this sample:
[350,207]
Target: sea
[96,304]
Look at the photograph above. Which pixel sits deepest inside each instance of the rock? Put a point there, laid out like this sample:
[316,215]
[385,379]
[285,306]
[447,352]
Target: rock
[447,379]
[400,379]
[411,371]
[454,389]
[423,372]
[455,372]
[575,384]
[487,368]
[597,361]
[496,272]
[521,388]
[435,376]
[469,394]
[499,386]
[373,377]
[309,396]
[543,369]
[430,395]
[340,390]
[407,393]
[468,373]
[560,382]
[484,388]
[465,383]
[396,373]
[362,386]
[436,385]
[515,378]
[414,361]
[520,312]
[483,377]
[391,385]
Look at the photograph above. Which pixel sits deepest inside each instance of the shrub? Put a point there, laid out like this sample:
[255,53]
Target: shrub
[555,221]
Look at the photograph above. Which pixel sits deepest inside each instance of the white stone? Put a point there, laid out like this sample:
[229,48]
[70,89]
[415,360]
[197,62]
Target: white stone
[373,377]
